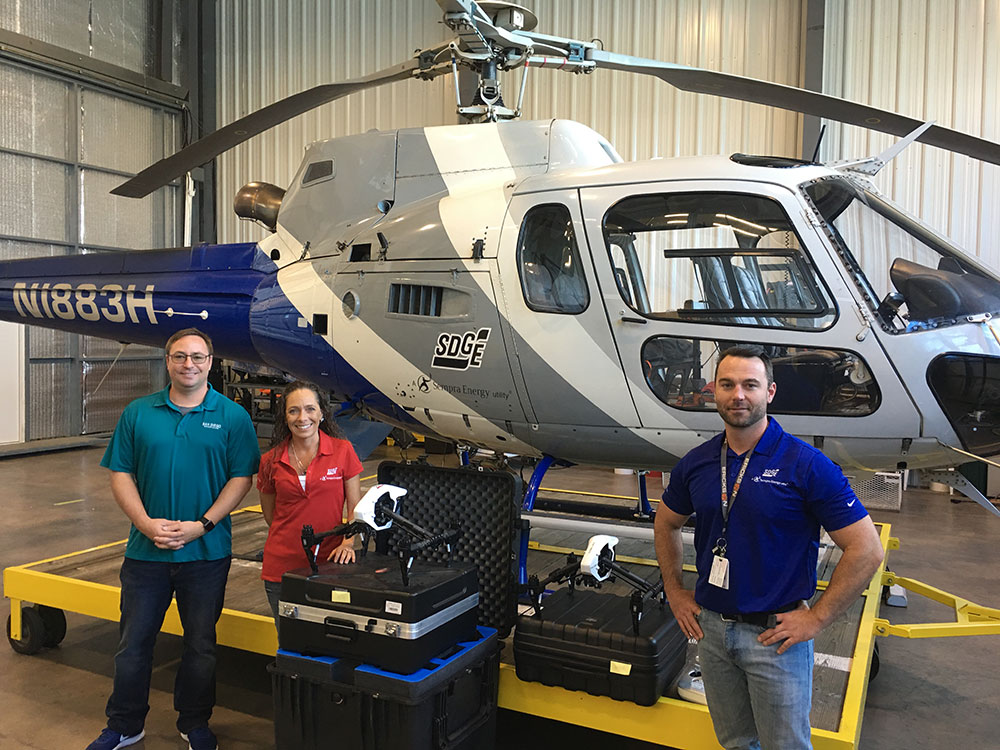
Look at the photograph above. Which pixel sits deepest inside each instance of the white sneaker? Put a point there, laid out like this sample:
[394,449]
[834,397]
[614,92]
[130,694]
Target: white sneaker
[691,687]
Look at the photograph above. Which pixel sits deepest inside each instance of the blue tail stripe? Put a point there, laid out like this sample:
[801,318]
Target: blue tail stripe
[243,255]
[217,279]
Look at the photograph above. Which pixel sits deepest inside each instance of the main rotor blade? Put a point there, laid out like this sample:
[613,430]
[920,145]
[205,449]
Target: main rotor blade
[701,81]
[223,139]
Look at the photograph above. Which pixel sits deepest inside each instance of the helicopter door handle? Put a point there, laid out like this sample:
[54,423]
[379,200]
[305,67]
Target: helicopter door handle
[627,319]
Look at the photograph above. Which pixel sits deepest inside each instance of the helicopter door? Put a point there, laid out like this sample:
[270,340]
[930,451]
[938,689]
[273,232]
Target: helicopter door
[559,329]
[687,271]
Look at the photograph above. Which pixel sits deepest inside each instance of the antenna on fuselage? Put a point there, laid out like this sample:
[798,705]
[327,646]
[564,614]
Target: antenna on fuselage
[819,142]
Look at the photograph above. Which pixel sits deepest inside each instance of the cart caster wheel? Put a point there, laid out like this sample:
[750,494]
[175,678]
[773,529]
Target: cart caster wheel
[873,672]
[54,620]
[32,632]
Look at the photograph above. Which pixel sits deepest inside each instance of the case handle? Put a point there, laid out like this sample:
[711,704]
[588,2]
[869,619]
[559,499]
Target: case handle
[489,680]
[341,630]
[585,669]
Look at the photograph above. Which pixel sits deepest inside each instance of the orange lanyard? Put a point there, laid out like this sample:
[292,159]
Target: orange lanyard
[727,501]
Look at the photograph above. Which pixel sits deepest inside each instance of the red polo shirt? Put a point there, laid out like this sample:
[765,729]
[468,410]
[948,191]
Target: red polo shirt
[320,504]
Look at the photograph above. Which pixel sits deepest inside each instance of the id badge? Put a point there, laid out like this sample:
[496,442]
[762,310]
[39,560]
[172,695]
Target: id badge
[719,575]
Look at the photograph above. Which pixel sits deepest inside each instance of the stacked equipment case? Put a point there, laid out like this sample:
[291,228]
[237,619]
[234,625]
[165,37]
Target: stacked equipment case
[364,611]
[450,704]
[368,662]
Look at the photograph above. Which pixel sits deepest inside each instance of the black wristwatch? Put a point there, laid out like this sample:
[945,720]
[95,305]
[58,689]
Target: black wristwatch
[209,525]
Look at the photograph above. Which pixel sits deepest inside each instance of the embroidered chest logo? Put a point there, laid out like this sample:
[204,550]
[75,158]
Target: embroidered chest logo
[211,425]
[769,476]
[333,473]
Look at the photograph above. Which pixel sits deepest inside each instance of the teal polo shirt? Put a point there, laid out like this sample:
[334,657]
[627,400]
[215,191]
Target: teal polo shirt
[180,463]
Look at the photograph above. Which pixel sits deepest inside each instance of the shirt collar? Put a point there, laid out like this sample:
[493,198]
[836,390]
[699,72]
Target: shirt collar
[209,403]
[769,440]
[326,446]
[766,445]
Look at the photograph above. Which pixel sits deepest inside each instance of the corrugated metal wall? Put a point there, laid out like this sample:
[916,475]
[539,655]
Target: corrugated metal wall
[270,49]
[121,32]
[934,60]
[63,145]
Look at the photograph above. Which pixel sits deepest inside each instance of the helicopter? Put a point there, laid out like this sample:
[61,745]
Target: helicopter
[517,286]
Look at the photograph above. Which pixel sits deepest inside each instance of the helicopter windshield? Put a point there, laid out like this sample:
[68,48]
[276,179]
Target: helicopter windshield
[730,258]
[911,277]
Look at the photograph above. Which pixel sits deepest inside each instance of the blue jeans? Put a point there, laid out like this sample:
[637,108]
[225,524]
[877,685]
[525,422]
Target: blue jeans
[757,699]
[273,591]
[147,588]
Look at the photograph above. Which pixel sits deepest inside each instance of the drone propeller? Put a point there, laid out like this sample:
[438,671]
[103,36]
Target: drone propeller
[701,81]
[238,131]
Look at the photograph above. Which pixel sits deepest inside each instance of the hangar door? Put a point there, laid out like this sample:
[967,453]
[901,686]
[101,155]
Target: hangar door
[67,139]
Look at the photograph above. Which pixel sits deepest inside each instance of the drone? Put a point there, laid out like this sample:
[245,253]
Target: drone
[377,511]
[598,565]
[516,286]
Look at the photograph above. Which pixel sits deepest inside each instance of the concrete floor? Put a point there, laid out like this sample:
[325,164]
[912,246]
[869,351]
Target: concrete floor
[929,694]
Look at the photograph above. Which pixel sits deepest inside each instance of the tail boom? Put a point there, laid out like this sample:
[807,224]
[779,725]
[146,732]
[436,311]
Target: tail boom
[141,298]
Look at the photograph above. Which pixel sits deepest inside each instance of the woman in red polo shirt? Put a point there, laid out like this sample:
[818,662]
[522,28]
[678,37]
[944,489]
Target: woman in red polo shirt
[306,477]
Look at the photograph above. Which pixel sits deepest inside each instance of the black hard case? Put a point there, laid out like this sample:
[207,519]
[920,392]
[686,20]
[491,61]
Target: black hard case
[485,505]
[321,703]
[584,641]
[362,611]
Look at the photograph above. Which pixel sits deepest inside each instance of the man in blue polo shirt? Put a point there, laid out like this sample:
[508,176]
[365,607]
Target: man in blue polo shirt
[181,460]
[759,497]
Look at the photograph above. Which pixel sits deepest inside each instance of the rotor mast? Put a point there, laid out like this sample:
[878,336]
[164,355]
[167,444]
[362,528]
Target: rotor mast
[494,35]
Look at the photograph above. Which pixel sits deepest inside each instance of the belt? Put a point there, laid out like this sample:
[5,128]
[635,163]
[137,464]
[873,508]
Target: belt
[760,619]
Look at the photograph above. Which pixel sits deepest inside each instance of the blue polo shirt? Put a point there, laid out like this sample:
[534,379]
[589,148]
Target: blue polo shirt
[789,490]
[180,463]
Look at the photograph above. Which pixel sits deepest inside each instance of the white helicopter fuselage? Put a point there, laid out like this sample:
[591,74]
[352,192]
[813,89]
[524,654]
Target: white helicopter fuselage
[512,286]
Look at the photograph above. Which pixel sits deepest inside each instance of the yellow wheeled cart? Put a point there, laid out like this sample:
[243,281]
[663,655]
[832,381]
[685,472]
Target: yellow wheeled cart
[86,582]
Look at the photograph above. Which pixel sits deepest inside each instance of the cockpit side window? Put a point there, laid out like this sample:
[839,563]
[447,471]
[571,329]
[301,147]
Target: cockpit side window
[728,258]
[548,260]
[910,277]
[826,382]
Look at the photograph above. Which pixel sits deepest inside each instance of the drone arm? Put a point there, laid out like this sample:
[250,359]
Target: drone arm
[701,81]
[445,537]
[536,587]
[639,584]
[311,540]
[407,525]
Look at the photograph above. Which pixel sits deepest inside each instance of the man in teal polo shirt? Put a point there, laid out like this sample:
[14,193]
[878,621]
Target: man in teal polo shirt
[181,460]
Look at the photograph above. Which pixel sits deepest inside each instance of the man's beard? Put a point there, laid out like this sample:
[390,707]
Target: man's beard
[745,418]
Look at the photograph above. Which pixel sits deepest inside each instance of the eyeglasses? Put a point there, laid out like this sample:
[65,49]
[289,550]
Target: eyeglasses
[180,358]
